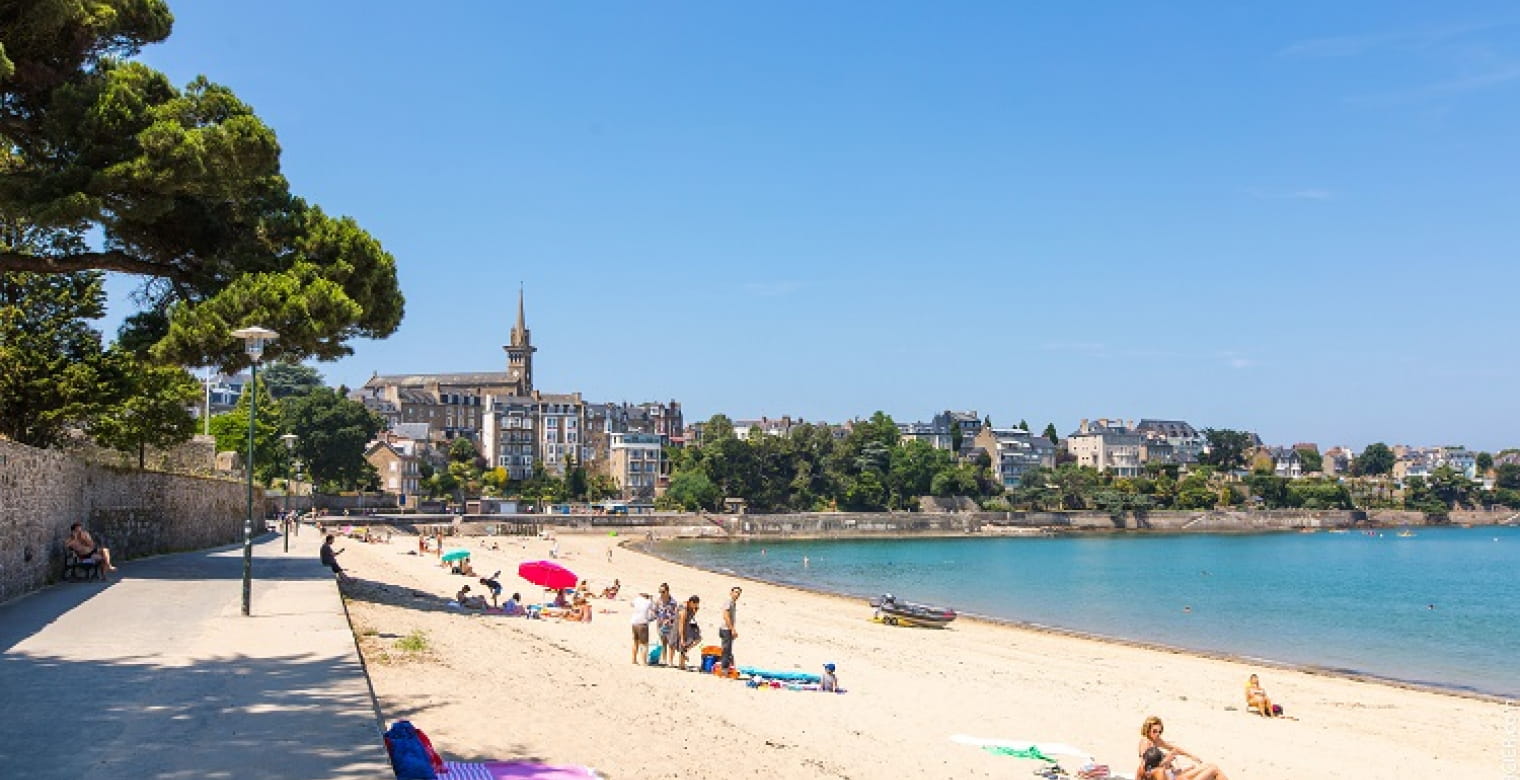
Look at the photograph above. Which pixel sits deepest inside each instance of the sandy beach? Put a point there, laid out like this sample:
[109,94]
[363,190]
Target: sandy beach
[487,687]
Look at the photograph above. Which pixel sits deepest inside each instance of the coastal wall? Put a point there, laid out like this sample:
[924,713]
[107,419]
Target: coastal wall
[901,523]
[136,513]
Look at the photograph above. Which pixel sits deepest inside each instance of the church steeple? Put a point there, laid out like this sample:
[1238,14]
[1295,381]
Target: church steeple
[520,336]
[520,351]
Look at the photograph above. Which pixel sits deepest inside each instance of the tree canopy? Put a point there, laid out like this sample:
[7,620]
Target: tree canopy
[179,187]
[1228,449]
[1376,459]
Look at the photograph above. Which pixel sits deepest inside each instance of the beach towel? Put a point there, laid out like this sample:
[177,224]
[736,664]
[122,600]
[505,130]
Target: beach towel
[514,770]
[1029,752]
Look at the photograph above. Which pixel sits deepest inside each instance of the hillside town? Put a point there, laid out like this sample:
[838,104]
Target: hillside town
[508,438]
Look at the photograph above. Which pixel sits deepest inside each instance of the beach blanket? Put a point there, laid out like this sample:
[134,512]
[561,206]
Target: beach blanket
[771,674]
[514,770]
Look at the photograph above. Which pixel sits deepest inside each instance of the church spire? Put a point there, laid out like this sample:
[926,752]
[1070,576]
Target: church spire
[520,352]
[520,331]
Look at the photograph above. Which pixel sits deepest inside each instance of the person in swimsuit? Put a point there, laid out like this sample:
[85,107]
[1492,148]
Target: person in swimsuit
[688,633]
[1157,757]
[83,546]
[1256,698]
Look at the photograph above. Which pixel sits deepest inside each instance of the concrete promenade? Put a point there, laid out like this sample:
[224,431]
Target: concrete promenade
[159,675]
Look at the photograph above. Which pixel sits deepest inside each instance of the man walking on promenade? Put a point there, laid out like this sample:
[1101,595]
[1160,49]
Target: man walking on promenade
[727,634]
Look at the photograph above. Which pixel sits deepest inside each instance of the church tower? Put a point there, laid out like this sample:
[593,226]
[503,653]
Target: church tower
[520,353]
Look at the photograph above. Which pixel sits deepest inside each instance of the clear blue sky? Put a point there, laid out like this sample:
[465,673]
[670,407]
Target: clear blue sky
[1298,218]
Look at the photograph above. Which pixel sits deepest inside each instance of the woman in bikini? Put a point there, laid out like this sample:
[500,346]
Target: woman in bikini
[83,545]
[1157,756]
[1256,698]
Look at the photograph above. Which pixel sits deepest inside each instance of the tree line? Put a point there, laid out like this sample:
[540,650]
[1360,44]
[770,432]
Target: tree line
[872,469]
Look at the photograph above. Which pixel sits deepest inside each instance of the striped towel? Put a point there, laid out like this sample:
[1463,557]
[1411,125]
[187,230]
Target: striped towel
[458,770]
[508,770]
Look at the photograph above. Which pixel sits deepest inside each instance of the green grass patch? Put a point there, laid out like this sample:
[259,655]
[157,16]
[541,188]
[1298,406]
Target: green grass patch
[415,642]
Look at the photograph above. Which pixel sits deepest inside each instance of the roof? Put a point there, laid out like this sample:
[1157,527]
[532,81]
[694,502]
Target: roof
[465,379]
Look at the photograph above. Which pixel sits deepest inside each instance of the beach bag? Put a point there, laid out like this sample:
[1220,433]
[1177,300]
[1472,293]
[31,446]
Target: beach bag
[412,754]
[654,654]
[1277,709]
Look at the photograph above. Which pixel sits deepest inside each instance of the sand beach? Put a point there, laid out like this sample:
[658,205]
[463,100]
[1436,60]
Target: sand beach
[487,687]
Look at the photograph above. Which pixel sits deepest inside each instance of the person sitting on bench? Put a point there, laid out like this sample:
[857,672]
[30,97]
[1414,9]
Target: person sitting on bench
[83,546]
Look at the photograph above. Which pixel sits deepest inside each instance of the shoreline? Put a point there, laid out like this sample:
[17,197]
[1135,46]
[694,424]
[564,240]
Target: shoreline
[1457,691]
[487,687]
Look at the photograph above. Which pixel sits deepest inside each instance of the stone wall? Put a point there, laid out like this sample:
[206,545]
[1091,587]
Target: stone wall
[136,513]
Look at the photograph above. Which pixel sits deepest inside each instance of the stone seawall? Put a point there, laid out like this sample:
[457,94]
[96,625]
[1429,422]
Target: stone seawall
[136,513]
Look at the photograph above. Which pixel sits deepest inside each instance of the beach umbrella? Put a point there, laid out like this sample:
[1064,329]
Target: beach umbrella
[455,555]
[547,574]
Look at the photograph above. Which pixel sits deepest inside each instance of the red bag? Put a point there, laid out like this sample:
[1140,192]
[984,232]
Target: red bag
[433,756]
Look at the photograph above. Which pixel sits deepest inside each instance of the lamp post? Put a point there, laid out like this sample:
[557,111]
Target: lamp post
[254,339]
[290,445]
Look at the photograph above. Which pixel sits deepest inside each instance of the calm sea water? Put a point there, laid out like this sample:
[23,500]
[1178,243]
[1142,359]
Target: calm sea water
[1440,608]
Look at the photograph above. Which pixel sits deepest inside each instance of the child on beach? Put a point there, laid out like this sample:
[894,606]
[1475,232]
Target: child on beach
[827,682]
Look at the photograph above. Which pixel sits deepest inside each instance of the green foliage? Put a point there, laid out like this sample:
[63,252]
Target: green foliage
[1507,476]
[52,366]
[1227,449]
[1376,459]
[1484,462]
[231,432]
[1321,493]
[154,412]
[415,642]
[718,428]
[332,432]
[287,379]
[462,450]
[1313,462]
[183,186]
[690,491]
[1051,434]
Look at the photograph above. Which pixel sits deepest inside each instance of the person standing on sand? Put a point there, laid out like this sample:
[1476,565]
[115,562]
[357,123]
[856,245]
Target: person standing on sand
[643,612]
[688,633]
[665,622]
[728,633]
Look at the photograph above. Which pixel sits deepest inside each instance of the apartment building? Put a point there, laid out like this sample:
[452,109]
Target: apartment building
[1015,452]
[1107,445]
[635,462]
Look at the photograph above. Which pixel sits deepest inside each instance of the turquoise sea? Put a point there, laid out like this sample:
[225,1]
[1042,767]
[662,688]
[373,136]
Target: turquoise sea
[1439,608]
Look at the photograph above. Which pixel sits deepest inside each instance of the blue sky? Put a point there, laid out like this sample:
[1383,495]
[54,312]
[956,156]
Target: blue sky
[1297,218]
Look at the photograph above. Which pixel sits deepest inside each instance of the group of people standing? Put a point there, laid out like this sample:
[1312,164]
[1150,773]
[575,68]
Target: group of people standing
[677,630]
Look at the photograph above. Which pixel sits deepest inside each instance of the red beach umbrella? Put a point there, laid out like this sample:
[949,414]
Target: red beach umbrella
[547,574]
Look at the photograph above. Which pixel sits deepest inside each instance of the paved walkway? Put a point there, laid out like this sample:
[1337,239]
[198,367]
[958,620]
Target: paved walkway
[159,675]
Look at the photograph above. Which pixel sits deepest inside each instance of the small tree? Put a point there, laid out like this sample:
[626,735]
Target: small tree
[155,412]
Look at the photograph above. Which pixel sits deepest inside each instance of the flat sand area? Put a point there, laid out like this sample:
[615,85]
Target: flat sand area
[490,687]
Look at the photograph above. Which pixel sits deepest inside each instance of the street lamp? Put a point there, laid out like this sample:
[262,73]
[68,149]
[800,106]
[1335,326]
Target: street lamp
[254,339]
[290,445]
